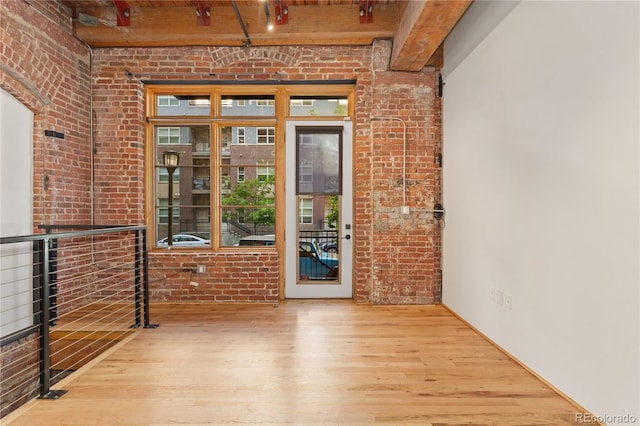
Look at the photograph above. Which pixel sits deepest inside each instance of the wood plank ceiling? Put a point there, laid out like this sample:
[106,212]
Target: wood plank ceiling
[417,27]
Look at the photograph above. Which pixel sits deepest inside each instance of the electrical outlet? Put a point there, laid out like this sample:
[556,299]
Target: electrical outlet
[508,301]
[492,294]
[499,297]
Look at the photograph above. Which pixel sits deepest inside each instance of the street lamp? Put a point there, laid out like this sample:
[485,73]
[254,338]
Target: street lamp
[170,160]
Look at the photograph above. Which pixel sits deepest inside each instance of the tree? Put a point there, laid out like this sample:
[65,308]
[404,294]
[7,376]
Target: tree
[333,218]
[340,110]
[253,192]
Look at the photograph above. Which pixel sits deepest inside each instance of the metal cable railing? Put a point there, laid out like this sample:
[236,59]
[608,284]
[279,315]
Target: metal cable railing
[65,298]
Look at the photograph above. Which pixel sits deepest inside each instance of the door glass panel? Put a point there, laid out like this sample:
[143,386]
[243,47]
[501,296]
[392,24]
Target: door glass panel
[318,239]
[319,161]
[318,189]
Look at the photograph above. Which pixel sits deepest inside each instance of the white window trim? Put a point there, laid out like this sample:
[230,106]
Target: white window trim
[169,135]
[302,209]
[305,173]
[265,102]
[270,135]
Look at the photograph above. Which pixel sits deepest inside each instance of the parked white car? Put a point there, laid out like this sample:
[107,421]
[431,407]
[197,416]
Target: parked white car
[185,240]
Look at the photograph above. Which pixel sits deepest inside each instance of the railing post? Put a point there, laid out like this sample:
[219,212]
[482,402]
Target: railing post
[145,280]
[137,278]
[45,343]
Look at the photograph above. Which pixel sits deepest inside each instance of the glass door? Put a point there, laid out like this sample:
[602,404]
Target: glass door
[319,211]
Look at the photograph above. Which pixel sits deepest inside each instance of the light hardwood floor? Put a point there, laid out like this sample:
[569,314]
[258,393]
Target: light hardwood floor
[303,363]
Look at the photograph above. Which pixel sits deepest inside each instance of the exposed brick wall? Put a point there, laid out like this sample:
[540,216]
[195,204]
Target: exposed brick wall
[397,257]
[230,277]
[383,271]
[405,249]
[19,369]
[47,69]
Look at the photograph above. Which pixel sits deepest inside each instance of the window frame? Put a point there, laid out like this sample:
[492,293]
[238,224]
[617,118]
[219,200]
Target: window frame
[269,139]
[215,118]
[302,208]
[169,136]
[269,166]
[169,99]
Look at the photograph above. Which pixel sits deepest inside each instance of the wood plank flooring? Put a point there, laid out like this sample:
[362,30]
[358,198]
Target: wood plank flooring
[302,363]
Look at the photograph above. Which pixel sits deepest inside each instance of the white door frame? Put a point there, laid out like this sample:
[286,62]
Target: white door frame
[343,286]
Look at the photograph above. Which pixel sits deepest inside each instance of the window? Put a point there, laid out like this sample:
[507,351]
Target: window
[168,135]
[247,105]
[306,172]
[306,210]
[228,103]
[240,135]
[265,102]
[322,148]
[190,187]
[163,175]
[168,101]
[249,198]
[224,186]
[318,106]
[196,104]
[302,102]
[266,135]
[163,212]
[265,171]
[16,259]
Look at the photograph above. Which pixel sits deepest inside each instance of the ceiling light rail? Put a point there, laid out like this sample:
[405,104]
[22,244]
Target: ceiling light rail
[268,25]
[247,39]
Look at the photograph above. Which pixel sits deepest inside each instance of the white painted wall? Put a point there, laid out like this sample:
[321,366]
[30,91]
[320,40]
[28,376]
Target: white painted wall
[541,115]
[16,195]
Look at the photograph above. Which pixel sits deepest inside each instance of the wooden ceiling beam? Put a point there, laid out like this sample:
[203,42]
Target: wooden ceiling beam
[176,26]
[423,28]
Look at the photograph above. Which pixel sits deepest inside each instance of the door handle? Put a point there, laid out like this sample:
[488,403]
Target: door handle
[346,237]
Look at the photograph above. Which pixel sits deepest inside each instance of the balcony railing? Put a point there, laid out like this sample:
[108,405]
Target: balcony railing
[66,298]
